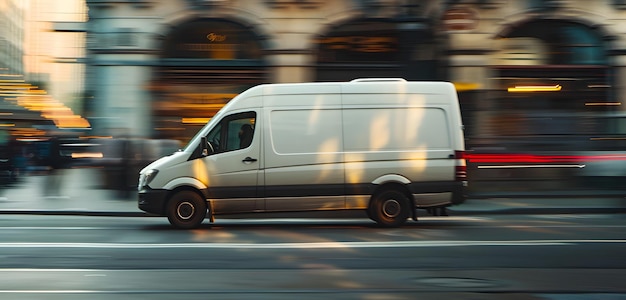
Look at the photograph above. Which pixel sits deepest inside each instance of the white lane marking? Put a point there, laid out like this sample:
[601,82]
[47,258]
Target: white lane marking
[331,220]
[247,221]
[58,228]
[401,229]
[43,270]
[321,245]
[54,292]
[551,226]
[279,221]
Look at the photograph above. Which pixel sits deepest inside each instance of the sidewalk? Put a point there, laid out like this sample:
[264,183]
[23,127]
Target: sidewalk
[80,196]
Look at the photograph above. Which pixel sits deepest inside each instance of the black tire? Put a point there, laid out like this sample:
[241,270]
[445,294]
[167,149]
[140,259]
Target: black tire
[390,208]
[186,210]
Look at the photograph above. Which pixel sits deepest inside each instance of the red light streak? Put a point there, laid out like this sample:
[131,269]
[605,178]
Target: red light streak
[539,159]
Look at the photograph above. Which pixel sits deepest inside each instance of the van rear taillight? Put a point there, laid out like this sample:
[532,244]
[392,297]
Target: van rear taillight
[461,173]
[460,169]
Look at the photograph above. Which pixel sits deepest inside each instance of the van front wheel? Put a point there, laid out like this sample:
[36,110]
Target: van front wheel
[186,210]
[389,208]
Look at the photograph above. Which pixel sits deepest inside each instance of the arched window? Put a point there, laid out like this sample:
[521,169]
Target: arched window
[211,39]
[377,48]
[566,42]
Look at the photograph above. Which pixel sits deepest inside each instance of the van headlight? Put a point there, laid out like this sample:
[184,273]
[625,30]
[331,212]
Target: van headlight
[146,177]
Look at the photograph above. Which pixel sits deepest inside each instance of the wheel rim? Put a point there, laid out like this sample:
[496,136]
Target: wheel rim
[185,210]
[392,208]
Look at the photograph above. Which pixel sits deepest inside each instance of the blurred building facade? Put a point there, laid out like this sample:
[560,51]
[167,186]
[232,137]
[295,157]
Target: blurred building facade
[54,56]
[11,37]
[529,73]
[11,62]
[41,69]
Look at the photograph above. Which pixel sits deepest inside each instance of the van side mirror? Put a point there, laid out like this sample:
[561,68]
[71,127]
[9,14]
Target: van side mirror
[206,147]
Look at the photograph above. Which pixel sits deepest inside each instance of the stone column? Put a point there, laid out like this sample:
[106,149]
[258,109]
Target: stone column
[123,103]
[120,72]
[469,63]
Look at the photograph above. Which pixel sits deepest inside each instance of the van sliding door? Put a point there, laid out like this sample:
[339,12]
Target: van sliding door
[304,158]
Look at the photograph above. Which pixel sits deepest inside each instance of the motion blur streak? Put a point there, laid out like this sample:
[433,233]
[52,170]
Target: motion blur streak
[321,245]
[535,158]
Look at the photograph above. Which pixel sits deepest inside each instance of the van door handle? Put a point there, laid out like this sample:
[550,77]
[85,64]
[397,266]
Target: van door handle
[249,160]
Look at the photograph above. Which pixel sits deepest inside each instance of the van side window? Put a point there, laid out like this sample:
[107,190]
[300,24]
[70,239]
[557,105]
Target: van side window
[234,132]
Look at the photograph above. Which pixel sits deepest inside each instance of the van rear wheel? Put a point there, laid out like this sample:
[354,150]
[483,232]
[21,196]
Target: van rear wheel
[389,208]
[186,210]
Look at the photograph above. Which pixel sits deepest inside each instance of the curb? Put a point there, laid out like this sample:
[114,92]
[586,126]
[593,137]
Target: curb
[572,194]
[540,210]
[75,213]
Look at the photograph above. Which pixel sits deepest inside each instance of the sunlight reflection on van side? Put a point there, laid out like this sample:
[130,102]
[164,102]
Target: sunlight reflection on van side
[200,171]
[332,150]
[414,120]
[355,171]
[378,131]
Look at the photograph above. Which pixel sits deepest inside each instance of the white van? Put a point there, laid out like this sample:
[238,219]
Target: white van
[386,146]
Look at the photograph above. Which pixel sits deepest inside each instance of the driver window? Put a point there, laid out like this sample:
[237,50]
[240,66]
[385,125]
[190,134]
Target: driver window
[233,132]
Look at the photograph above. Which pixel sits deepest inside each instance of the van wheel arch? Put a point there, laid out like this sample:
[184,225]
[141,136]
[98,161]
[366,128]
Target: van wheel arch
[173,192]
[182,201]
[379,198]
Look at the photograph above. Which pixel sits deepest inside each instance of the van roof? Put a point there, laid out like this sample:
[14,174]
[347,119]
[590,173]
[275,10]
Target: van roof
[357,86]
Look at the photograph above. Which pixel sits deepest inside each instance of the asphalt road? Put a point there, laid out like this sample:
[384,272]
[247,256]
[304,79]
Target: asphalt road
[464,257]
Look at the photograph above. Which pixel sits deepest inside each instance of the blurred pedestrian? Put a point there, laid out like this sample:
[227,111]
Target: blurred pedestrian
[18,159]
[56,164]
[5,165]
[125,181]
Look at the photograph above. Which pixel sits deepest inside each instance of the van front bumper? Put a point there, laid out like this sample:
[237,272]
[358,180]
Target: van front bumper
[152,200]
